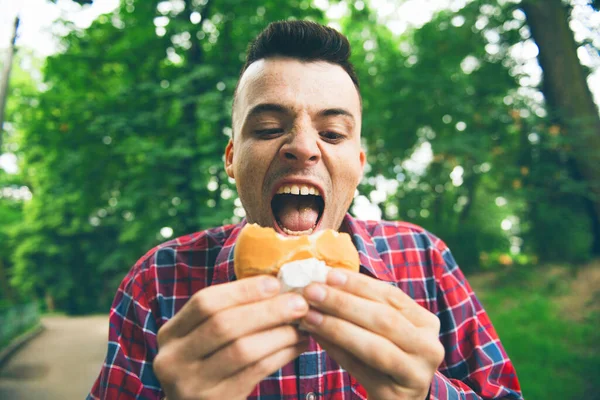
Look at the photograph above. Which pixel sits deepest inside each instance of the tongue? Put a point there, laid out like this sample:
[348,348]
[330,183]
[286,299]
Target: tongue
[298,213]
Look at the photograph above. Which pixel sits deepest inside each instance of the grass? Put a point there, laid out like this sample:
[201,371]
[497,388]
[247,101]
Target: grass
[556,354]
[26,330]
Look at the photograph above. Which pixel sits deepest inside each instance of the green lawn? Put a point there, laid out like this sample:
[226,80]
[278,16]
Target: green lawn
[556,352]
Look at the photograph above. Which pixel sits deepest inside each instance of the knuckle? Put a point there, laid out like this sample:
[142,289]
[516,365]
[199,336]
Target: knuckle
[263,367]
[201,304]
[335,331]
[279,305]
[423,378]
[186,392]
[432,351]
[220,325]
[434,323]
[279,308]
[340,300]
[419,376]
[162,367]
[242,351]
[162,336]
[248,292]
[386,321]
[438,353]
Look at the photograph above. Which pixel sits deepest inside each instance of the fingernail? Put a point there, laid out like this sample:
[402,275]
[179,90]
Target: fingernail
[297,303]
[337,278]
[315,293]
[270,285]
[313,318]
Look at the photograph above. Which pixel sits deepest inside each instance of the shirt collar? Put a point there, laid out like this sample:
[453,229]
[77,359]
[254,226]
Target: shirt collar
[223,270]
[370,261]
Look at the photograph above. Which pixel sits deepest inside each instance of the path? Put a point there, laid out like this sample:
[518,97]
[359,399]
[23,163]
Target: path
[61,363]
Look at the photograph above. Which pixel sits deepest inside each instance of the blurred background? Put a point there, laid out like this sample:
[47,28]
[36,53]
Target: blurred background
[481,124]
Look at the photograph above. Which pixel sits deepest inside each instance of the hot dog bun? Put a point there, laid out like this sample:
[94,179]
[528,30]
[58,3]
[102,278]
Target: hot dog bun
[261,250]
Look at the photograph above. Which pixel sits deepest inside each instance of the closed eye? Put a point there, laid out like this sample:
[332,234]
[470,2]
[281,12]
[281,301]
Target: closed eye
[332,137]
[268,133]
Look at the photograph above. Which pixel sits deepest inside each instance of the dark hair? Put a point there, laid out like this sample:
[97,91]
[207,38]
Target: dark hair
[303,40]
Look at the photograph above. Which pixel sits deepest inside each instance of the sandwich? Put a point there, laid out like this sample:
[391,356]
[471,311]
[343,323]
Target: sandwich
[296,260]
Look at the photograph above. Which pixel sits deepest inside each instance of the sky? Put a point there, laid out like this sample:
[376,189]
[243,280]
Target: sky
[37,17]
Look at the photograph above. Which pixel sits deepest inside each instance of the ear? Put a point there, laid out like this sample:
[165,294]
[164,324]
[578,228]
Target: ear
[363,161]
[229,159]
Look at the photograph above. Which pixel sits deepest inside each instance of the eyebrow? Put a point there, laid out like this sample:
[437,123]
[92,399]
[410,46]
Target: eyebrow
[281,109]
[267,107]
[332,112]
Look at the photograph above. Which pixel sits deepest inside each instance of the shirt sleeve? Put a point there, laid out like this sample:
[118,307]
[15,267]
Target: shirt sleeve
[127,370]
[476,365]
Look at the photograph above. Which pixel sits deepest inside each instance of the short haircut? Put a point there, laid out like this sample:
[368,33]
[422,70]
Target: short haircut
[302,40]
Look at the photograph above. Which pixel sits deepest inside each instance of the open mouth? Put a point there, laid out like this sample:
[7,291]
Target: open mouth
[297,209]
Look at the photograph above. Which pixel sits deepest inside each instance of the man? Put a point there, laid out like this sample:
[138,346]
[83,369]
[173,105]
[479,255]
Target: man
[407,327]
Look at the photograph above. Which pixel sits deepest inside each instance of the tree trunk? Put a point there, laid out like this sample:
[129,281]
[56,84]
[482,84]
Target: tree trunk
[6,76]
[568,97]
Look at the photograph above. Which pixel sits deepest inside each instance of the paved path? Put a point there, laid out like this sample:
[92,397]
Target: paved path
[60,363]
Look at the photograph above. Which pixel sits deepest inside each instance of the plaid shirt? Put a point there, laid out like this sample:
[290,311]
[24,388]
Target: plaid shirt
[404,255]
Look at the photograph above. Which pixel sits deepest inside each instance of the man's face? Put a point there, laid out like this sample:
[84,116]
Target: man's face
[296,154]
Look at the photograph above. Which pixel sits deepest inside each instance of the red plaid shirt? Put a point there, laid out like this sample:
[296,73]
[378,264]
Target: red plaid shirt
[404,255]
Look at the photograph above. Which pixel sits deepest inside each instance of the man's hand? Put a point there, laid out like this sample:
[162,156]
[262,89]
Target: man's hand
[377,333]
[227,338]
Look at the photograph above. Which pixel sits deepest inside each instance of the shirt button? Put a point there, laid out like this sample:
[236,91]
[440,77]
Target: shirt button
[311,396]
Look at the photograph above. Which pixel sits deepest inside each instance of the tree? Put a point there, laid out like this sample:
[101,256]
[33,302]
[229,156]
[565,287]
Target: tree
[123,148]
[5,78]
[134,125]
[568,97]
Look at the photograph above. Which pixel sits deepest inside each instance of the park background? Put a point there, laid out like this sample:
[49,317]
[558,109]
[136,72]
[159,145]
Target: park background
[480,122]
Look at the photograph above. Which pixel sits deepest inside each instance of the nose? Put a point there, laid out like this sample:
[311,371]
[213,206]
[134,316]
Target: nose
[301,148]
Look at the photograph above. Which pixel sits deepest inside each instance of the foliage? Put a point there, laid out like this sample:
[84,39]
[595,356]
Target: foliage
[133,129]
[13,191]
[459,93]
[125,140]
[450,99]
[555,357]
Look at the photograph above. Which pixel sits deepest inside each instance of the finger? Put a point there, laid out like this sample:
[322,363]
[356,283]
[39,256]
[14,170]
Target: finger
[248,350]
[378,385]
[248,378]
[231,324]
[237,386]
[213,299]
[366,375]
[382,319]
[360,342]
[381,292]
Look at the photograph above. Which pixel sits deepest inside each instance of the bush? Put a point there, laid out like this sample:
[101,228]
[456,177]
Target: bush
[561,232]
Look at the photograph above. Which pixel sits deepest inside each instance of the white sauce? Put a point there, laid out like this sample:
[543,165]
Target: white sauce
[296,275]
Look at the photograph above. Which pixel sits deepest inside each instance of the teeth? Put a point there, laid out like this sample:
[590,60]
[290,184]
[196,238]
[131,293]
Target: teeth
[303,190]
[298,233]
